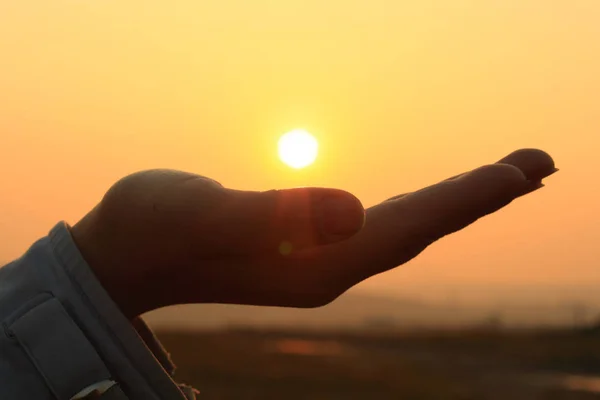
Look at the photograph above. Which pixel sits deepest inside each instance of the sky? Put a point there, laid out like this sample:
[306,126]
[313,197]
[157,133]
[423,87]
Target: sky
[400,94]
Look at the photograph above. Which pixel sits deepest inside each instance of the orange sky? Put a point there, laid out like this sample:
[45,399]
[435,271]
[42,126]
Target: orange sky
[400,94]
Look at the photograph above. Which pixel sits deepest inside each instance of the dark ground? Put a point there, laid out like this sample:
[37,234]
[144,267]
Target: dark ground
[475,364]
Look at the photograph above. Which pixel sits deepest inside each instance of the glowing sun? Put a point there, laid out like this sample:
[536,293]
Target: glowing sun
[298,148]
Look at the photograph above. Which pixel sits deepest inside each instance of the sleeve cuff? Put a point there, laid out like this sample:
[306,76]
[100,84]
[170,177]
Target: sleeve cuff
[132,353]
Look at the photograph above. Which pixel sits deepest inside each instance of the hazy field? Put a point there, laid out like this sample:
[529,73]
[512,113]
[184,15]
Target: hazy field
[475,364]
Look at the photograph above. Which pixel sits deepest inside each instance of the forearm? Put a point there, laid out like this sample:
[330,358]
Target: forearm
[62,332]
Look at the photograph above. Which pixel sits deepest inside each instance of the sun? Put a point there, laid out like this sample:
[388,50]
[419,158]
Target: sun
[298,148]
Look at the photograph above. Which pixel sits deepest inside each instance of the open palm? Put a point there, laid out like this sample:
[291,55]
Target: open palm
[164,237]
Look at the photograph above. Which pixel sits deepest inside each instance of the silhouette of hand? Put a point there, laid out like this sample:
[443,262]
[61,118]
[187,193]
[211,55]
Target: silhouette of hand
[165,237]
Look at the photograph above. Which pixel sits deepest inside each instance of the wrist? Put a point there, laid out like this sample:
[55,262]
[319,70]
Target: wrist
[104,265]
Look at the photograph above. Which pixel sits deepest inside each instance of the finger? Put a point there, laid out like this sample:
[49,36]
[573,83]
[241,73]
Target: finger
[283,220]
[431,213]
[535,164]
[428,214]
[397,231]
[451,205]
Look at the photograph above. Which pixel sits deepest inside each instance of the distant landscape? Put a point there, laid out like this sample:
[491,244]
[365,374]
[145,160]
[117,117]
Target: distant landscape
[470,364]
[488,344]
[358,310]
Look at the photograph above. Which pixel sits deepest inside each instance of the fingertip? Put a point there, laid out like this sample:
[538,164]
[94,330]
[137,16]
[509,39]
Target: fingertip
[536,164]
[340,215]
[290,220]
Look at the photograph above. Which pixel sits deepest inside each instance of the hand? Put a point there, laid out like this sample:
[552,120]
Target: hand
[165,237]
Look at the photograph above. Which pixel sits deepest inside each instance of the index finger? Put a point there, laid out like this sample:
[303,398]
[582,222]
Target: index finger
[398,230]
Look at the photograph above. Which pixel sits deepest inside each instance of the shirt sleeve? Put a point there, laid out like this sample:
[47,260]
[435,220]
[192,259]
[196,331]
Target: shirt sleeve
[62,335]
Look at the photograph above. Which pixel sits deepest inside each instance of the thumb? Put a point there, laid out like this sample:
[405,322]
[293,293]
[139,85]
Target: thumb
[284,221]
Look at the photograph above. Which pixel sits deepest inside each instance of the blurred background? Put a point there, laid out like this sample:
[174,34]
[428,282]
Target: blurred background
[399,95]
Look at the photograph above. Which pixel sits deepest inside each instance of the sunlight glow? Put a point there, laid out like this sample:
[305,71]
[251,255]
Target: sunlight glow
[298,148]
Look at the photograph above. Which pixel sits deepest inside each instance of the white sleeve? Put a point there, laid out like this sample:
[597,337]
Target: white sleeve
[62,336]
